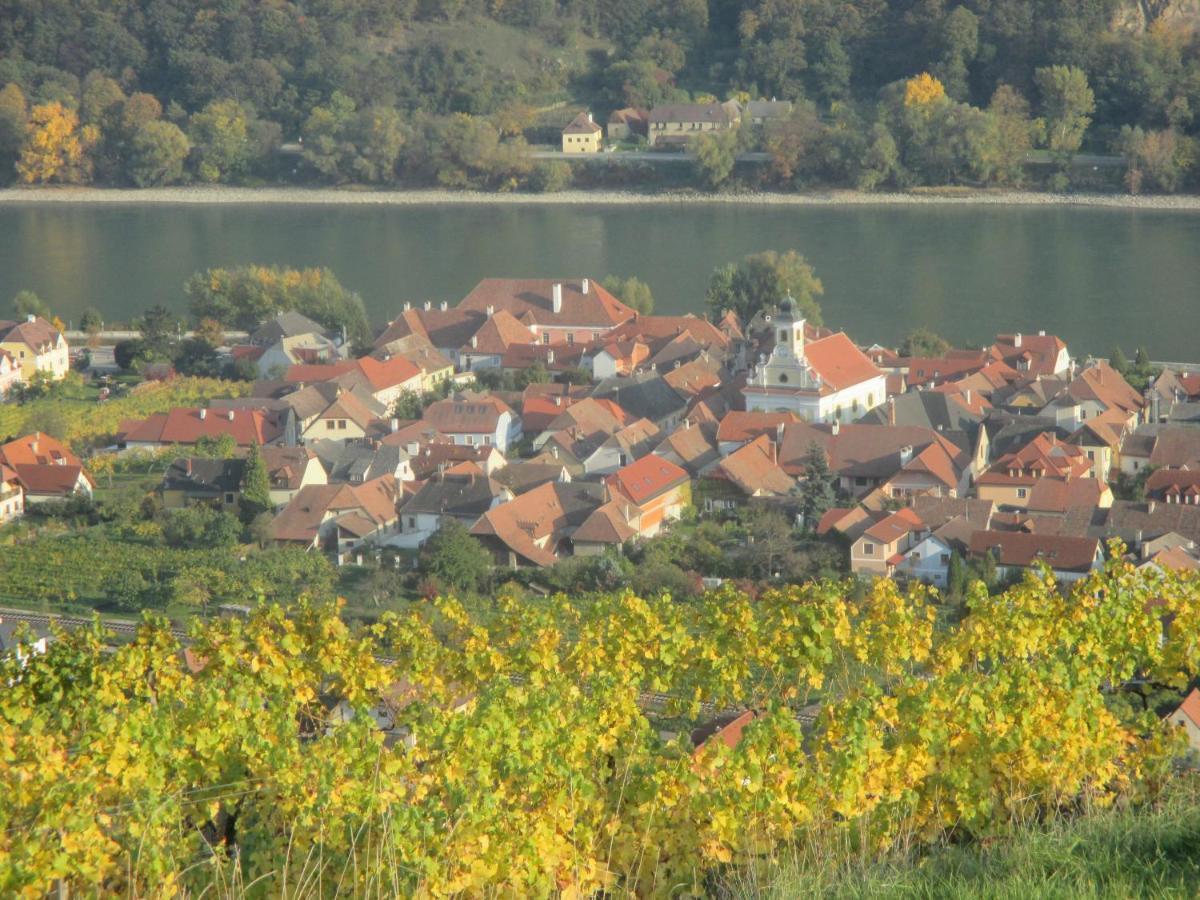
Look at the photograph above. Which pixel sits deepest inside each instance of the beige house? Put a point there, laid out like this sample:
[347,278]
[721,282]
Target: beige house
[1187,716]
[36,346]
[582,135]
[677,124]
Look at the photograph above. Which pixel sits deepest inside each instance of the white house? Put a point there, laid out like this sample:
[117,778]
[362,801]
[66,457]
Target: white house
[822,380]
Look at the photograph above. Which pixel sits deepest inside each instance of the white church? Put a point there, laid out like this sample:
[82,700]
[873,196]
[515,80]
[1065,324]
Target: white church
[826,379]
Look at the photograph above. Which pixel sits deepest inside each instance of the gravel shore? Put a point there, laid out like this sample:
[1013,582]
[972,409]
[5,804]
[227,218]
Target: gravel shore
[286,195]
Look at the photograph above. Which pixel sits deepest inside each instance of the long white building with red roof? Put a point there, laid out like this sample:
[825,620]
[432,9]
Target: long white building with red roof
[824,379]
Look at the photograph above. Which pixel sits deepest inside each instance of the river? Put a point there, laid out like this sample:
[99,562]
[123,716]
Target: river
[1097,277]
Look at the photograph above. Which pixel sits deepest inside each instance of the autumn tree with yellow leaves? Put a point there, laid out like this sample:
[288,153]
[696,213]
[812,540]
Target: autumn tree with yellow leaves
[923,90]
[56,147]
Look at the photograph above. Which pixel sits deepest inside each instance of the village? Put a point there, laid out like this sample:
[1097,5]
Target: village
[1011,458]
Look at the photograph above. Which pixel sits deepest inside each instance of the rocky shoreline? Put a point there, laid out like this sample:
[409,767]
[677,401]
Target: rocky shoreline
[338,196]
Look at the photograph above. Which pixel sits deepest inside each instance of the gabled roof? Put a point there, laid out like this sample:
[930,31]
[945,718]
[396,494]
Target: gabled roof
[888,530]
[497,334]
[531,300]
[1173,482]
[301,519]
[286,465]
[54,480]
[645,395]
[753,469]
[691,446]
[532,524]
[688,113]
[1190,707]
[1041,350]
[647,478]
[455,495]
[37,334]
[286,324]
[187,425]
[199,475]
[609,524]
[1014,548]
[446,329]
[1054,495]
[417,349]
[838,362]
[726,729]
[658,331]
[1044,456]
[740,426]
[466,415]
[524,476]
[582,124]
[37,448]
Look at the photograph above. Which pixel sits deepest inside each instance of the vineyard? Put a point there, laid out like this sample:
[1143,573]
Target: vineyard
[516,754]
[91,568]
[87,422]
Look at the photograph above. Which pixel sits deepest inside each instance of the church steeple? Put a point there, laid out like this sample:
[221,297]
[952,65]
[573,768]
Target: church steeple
[789,329]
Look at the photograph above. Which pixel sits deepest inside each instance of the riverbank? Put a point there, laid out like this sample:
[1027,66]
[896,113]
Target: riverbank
[339,196]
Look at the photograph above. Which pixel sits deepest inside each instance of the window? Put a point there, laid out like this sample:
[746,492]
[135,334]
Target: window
[868,549]
[1022,493]
[412,521]
[545,337]
[860,481]
[945,559]
[471,439]
[595,335]
[341,424]
[487,440]
[571,337]
[228,497]
[330,424]
[783,377]
[1091,454]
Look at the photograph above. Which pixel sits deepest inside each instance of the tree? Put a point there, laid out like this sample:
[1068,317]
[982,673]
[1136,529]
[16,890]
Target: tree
[255,498]
[455,558]
[159,327]
[92,323]
[157,153]
[1009,140]
[1067,106]
[924,342]
[210,332]
[1158,160]
[716,153]
[923,91]
[1118,361]
[632,291]
[760,281]
[817,492]
[14,119]
[56,148]
[27,303]
[128,353]
[193,356]
[220,141]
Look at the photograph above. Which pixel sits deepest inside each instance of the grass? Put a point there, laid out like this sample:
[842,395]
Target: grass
[1152,851]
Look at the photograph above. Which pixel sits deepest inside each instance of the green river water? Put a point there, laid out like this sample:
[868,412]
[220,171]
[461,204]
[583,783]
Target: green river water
[1096,276]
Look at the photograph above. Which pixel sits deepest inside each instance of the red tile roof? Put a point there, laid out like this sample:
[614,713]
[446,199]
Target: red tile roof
[52,480]
[839,363]
[467,415]
[582,124]
[38,449]
[497,334]
[186,425]
[754,470]
[647,478]
[530,300]
[745,426]
[1190,706]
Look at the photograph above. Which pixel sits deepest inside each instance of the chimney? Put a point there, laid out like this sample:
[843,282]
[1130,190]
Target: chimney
[203,414]
[395,425]
[491,310]
[1151,505]
[558,401]
[906,454]
[967,396]
[31,318]
[442,306]
[474,341]
[891,404]
[774,455]
[549,356]
[428,305]
[583,287]
[837,427]
[229,415]
[779,432]
[407,306]
[413,448]
[557,297]
[590,119]
[1137,539]
[1017,339]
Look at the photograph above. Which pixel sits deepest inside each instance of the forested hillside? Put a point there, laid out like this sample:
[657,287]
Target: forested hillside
[448,91]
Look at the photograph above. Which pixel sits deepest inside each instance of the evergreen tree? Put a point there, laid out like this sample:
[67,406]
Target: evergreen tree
[1118,361]
[817,493]
[256,487]
[455,558]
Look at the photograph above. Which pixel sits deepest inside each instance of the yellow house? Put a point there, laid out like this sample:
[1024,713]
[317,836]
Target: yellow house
[582,135]
[36,346]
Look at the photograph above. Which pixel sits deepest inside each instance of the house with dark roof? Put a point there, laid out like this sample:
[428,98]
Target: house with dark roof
[461,497]
[627,123]
[193,481]
[657,488]
[1069,558]
[285,325]
[356,462]
[645,395]
[582,135]
[678,124]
